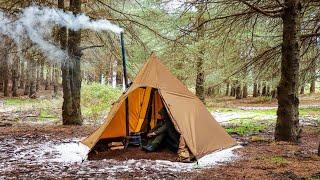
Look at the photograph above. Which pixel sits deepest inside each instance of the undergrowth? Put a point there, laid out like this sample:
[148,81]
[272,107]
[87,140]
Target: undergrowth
[96,100]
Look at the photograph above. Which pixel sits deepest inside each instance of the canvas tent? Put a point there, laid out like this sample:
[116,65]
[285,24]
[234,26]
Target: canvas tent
[154,83]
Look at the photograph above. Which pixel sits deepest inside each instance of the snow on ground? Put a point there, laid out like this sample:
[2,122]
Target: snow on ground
[76,152]
[72,151]
[224,118]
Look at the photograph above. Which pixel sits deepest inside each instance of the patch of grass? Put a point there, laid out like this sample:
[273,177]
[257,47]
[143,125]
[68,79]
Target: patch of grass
[245,127]
[19,101]
[277,160]
[309,111]
[46,114]
[96,99]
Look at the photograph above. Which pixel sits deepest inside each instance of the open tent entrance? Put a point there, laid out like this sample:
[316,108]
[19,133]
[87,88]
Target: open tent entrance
[144,104]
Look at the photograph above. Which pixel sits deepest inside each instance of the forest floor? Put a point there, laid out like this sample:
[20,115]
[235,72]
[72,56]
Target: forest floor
[34,144]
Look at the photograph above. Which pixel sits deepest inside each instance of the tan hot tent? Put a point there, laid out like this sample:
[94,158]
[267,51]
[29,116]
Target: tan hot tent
[192,120]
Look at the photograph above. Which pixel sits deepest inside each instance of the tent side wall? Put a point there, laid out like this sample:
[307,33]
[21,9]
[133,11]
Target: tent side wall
[197,126]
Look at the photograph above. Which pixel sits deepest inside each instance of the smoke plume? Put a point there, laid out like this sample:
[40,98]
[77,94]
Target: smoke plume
[36,23]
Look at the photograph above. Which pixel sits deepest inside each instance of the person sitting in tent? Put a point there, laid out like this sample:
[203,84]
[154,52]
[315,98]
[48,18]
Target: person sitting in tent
[163,133]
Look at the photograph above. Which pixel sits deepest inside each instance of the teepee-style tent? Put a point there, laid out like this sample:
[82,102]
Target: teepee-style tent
[155,85]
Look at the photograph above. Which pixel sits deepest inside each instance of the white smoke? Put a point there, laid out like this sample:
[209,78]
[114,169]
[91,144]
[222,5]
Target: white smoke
[36,23]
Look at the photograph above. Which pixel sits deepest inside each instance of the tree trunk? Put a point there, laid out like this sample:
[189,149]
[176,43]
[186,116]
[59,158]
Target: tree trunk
[22,74]
[264,89]
[38,78]
[313,87]
[255,90]
[55,81]
[5,74]
[48,80]
[274,94]
[42,72]
[71,71]
[1,72]
[33,79]
[302,89]
[119,76]
[227,89]
[233,90]
[15,75]
[238,92]
[287,126]
[200,80]
[268,90]
[259,89]
[319,149]
[245,91]
[27,80]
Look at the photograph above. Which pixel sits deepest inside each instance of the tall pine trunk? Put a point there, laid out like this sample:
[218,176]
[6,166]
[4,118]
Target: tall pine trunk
[313,78]
[238,91]
[27,79]
[22,74]
[15,75]
[227,88]
[245,91]
[6,72]
[55,80]
[255,90]
[48,79]
[71,72]
[33,79]
[200,80]
[287,126]
[302,89]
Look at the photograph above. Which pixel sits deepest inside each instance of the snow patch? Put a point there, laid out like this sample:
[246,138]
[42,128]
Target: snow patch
[74,152]
[69,152]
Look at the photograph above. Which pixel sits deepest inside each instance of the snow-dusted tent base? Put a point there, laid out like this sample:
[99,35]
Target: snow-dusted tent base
[192,120]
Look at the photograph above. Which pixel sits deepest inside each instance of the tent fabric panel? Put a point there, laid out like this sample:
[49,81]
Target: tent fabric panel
[201,132]
[143,109]
[91,140]
[156,75]
[135,99]
[117,126]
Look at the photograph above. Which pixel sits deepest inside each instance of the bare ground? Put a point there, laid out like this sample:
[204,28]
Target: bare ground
[22,155]
[260,158]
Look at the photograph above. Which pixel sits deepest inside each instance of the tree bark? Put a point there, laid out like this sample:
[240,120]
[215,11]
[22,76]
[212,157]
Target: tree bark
[255,90]
[319,149]
[22,74]
[71,71]
[48,80]
[302,89]
[313,87]
[313,79]
[27,79]
[233,90]
[38,78]
[264,89]
[274,93]
[15,75]
[55,81]
[268,90]
[5,74]
[1,72]
[238,92]
[33,79]
[287,126]
[245,91]
[227,88]
[200,80]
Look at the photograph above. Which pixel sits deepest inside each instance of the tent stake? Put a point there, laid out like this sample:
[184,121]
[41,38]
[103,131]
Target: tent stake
[125,80]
